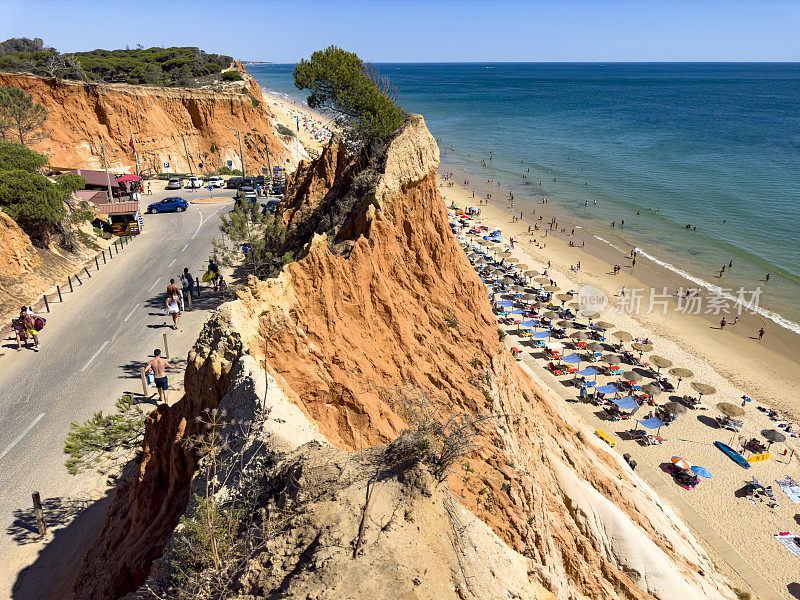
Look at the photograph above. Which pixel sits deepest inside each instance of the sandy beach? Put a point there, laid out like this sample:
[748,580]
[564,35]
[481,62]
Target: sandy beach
[315,129]
[731,361]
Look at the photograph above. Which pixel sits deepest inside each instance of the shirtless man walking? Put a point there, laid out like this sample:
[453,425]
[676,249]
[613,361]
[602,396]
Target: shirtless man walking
[157,366]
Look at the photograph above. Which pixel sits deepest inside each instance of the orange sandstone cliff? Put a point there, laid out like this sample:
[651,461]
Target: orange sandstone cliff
[83,116]
[380,298]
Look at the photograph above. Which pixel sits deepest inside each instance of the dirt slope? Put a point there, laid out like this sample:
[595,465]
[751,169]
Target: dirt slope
[82,116]
[382,295]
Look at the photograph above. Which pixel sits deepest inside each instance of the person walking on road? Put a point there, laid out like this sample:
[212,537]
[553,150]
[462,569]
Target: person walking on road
[157,366]
[187,281]
[174,306]
[214,270]
[29,322]
[20,330]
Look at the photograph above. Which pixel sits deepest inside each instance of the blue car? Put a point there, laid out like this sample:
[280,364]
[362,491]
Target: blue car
[168,205]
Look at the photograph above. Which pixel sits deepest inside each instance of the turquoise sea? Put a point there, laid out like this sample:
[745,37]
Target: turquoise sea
[713,145]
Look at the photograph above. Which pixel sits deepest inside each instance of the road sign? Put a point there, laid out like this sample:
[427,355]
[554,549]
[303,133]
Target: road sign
[265,171]
[199,165]
[230,164]
[209,187]
[166,165]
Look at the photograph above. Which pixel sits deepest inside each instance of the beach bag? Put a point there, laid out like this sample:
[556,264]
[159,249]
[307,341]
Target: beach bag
[209,275]
[151,379]
[39,323]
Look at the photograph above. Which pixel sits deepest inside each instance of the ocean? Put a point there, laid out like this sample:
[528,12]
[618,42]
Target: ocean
[715,146]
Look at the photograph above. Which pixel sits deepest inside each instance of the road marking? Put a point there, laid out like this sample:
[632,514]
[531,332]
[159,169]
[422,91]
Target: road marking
[172,263]
[185,247]
[88,362]
[18,439]
[203,220]
[155,283]
[130,314]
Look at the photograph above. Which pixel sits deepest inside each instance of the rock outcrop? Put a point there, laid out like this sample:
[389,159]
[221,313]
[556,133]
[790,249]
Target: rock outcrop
[81,117]
[381,311]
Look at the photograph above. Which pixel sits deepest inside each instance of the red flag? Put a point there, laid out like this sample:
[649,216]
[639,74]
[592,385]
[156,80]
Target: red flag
[132,144]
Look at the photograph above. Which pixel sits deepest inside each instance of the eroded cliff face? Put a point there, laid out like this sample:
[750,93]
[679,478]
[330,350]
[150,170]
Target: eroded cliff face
[382,297]
[82,116]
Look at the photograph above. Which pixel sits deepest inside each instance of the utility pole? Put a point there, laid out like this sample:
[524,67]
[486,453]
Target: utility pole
[187,156]
[241,154]
[108,177]
[269,166]
[135,154]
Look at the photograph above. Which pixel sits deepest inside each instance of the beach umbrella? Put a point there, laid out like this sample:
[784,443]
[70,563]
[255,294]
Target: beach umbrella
[660,362]
[594,347]
[521,267]
[578,335]
[771,435]
[730,410]
[551,288]
[674,408]
[531,273]
[680,372]
[542,280]
[641,347]
[704,388]
[603,325]
[612,359]
[518,289]
[506,253]
[549,315]
[681,463]
[564,324]
[572,359]
[631,376]
[511,261]
[701,471]
[564,297]
[529,297]
[651,389]
[623,336]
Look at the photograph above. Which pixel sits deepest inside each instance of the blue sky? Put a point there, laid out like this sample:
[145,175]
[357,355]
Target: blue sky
[425,31]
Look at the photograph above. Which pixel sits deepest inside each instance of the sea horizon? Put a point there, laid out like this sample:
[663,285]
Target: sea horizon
[709,144]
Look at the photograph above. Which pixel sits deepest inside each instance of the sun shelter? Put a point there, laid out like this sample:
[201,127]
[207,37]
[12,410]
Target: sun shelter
[651,423]
[504,303]
[572,359]
[541,334]
[626,403]
[607,389]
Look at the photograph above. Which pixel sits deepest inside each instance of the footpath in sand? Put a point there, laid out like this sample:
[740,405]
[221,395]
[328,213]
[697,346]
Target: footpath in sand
[739,533]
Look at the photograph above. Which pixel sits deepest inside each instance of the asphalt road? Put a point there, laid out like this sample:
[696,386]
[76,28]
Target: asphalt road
[91,351]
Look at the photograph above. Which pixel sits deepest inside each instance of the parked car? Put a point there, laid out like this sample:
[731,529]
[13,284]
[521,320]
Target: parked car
[194,182]
[234,183]
[271,206]
[174,183]
[246,193]
[168,205]
[277,190]
[254,181]
[216,181]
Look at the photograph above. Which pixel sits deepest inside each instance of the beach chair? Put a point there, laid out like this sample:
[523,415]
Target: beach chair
[570,369]
[554,369]
[605,437]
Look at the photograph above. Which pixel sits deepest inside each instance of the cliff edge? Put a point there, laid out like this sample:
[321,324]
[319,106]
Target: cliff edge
[381,309]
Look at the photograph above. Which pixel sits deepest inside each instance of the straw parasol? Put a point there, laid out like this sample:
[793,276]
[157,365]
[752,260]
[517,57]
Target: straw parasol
[564,297]
[730,410]
[660,361]
[771,435]
[631,376]
[511,261]
[542,280]
[551,288]
[506,253]
[522,267]
[651,389]
[674,408]
[603,325]
[703,388]
[578,335]
[531,273]
[612,359]
[529,296]
[623,336]
[594,347]
[564,324]
[641,347]
[680,372]
[549,315]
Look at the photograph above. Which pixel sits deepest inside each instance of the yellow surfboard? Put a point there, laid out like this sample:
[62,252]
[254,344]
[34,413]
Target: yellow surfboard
[759,457]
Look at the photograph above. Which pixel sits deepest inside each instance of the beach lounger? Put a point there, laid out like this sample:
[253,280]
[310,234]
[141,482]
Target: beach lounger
[554,369]
[605,437]
[790,487]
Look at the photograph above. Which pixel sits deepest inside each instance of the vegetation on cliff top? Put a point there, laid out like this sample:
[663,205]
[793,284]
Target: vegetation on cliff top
[21,118]
[175,66]
[340,81]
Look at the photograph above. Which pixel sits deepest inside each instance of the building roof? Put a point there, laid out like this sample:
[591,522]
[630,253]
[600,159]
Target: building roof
[96,177]
[118,208]
[96,196]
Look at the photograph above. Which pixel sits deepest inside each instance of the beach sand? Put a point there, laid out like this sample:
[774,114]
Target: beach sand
[313,125]
[730,361]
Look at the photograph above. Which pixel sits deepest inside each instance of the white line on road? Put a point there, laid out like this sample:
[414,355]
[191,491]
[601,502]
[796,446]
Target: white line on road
[18,439]
[203,220]
[185,247]
[130,314]
[172,263]
[86,366]
[155,283]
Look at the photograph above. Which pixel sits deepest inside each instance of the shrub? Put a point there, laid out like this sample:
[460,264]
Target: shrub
[16,156]
[34,202]
[451,320]
[231,76]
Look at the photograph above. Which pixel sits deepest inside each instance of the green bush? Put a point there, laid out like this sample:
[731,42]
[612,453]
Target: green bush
[17,157]
[224,171]
[32,201]
[231,76]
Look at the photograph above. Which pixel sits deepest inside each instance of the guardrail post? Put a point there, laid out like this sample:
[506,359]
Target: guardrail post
[58,289]
[189,296]
[96,264]
[144,382]
[46,305]
[87,271]
[197,281]
[69,279]
[104,257]
[79,280]
[166,347]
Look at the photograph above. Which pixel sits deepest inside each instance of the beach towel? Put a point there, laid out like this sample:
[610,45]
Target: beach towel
[790,542]
[790,487]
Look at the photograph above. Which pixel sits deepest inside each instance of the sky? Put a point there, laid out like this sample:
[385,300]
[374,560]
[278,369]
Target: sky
[424,31]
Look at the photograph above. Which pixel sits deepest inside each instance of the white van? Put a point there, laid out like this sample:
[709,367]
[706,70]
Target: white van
[216,181]
[194,182]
